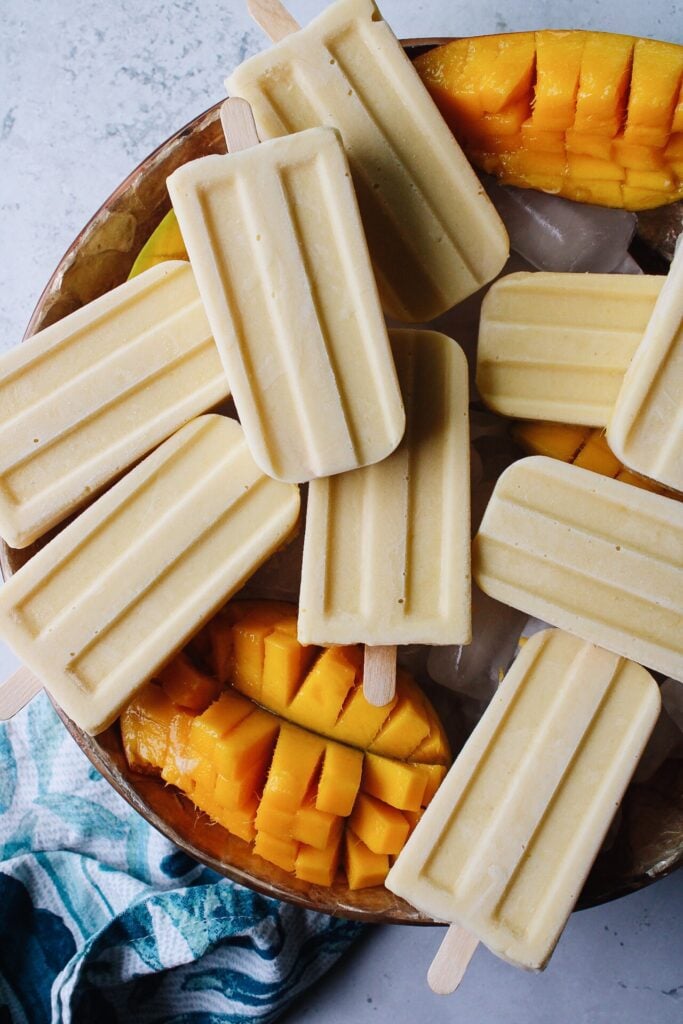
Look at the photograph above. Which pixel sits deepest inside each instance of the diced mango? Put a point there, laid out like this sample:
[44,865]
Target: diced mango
[406,727]
[252,740]
[186,685]
[339,779]
[217,721]
[382,828]
[558,66]
[597,456]
[364,868]
[360,721]
[597,107]
[285,664]
[394,782]
[145,725]
[433,774]
[277,850]
[232,793]
[320,697]
[314,827]
[558,440]
[318,866]
[295,763]
[274,820]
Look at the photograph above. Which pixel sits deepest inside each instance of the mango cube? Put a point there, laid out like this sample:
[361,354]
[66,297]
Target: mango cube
[394,782]
[382,828]
[186,686]
[276,849]
[318,866]
[339,779]
[363,867]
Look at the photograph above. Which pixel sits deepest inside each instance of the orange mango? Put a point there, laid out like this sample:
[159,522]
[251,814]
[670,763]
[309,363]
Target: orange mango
[586,115]
[298,796]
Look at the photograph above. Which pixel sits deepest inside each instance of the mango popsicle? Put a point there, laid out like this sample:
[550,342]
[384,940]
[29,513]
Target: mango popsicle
[102,606]
[591,555]
[277,247]
[556,346]
[433,234]
[86,397]
[510,836]
[646,428]
[387,548]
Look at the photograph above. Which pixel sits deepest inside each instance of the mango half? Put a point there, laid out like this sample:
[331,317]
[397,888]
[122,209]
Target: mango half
[591,116]
[276,743]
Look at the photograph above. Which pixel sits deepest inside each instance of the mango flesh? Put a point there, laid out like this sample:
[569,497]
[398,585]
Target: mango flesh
[591,116]
[306,801]
[165,243]
[583,446]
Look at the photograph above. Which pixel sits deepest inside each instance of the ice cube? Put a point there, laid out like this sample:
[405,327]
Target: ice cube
[557,234]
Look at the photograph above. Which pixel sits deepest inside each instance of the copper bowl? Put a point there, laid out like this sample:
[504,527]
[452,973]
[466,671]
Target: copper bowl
[649,840]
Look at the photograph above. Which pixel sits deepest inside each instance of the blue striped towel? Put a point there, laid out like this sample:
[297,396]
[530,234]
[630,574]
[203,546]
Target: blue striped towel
[103,919]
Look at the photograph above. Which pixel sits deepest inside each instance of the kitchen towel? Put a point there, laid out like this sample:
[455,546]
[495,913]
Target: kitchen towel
[103,920]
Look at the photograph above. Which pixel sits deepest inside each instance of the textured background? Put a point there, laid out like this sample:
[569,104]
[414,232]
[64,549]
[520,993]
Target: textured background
[87,89]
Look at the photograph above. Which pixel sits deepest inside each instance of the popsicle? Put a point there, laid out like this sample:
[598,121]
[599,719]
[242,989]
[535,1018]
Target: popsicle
[646,429]
[387,548]
[433,234]
[110,599]
[88,396]
[594,556]
[277,247]
[509,838]
[557,346]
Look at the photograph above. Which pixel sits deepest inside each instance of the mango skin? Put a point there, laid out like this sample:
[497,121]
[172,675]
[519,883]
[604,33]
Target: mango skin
[591,116]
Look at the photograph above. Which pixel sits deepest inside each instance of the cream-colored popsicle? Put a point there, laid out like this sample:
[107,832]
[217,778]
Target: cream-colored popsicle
[99,609]
[646,429]
[387,548]
[507,842]
[434,236]
[85,398]
[557,346]
[276,243]
[594,556]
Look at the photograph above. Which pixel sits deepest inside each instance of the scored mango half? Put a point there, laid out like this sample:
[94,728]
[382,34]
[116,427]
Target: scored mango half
[276,743]
[591,116]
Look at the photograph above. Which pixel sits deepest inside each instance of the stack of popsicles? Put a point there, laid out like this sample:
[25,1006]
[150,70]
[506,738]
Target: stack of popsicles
[344,195]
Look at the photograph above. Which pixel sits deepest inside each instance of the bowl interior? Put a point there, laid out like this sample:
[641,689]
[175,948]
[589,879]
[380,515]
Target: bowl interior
[648,842]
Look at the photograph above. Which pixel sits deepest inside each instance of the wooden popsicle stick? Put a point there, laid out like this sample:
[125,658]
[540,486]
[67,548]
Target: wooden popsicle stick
[238,124]
[452,958]
[379,674]
[17,691]
[274,18]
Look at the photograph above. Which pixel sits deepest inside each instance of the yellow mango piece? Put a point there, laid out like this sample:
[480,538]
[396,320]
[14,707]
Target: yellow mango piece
[181,764]
[603,83]
[505,122]
[539,140]
[339,780]
[599,193]
[316,828]
[277,850]
[382,828]
[640,158]
[285,664]
[674,149]
[232,793]
[361,721]
[677,120]
[597,456]
[252,740]
[558,66]
[593,169]
[145,725]
[165,243]
[186,686]
[654,181]
[318,866]
[508,77]
[223,715]
[433,774]
[584,144]
[407,726]
[364,868]
[294,765]
[557,440]
[321,696]
[396,783]
[655,85]
[524,164]
[205,776]
[412,817]
[274,820]
[239,821]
